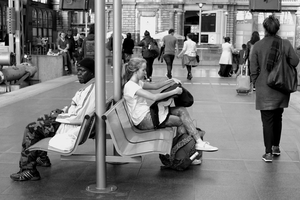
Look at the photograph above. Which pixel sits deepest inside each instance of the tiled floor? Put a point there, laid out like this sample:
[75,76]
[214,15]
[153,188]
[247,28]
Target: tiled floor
[235,172]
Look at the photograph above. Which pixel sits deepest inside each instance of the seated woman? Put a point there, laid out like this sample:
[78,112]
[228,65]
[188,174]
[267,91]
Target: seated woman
[136,94]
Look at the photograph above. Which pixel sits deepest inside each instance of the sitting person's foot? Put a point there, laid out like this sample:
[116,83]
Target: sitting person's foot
[196,162]
[26,175]
[43,162]
[205,146]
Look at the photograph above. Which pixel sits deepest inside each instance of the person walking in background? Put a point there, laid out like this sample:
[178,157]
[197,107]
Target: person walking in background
[189,52]
[148,55]
[127,47]
[241,61]
[269,101]
[254,38]
[71,41]
[226,58]
[63,46]
[170,44]
[88,44]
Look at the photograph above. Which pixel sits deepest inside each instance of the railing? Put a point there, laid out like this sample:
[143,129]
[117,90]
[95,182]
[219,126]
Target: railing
[38,49]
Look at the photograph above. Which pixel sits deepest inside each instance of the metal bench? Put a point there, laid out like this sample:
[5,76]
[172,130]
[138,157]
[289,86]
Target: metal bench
[84,133]
[131,142]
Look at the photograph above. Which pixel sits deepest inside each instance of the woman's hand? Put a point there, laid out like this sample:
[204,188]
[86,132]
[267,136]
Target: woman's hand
[178,90]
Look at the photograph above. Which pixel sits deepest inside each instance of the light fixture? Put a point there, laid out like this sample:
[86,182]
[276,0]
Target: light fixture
[201,5]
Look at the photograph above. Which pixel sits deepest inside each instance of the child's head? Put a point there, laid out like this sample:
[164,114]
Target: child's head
[244,46]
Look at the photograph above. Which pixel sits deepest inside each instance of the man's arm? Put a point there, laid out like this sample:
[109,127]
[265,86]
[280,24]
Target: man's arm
[86,106]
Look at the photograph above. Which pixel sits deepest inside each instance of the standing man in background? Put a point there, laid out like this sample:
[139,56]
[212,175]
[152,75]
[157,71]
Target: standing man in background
[71,41]
[170,44]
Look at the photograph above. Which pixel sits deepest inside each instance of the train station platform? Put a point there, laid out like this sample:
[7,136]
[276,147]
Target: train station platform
[235,172]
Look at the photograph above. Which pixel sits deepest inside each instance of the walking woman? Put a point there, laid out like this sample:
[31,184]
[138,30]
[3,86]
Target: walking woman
[226,58]
[137,93]
[269,101]
[189,52]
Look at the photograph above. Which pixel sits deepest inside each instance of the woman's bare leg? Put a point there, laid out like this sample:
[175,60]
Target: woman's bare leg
[180,118]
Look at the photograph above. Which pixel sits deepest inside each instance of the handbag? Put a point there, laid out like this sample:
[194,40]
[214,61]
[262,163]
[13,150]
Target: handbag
[283,76]
[197,58]
[185,99]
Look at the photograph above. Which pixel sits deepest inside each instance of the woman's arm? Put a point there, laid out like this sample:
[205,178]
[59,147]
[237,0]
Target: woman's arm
[157,96]
[183,49]
[158,85]
[292,56]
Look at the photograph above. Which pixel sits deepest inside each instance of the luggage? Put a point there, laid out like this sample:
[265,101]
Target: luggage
[243,85]
[183,152]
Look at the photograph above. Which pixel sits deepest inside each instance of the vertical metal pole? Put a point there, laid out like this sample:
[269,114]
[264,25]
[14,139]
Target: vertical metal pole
[11,36]
[117,51]
[100,75]
[200,18]
[86,22]
[18,34]
[100,93]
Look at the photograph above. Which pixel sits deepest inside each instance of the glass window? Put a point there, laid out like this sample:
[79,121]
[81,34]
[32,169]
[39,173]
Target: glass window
[50,21]
[40,18]
[34,18]
[45,19]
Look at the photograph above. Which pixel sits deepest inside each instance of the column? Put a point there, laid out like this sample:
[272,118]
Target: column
[179,22]
[171,25]
[159,27]
[297,33]
[254,21]
[137,25]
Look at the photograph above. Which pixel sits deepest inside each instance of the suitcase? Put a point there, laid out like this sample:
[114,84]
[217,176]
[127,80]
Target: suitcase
[243,85]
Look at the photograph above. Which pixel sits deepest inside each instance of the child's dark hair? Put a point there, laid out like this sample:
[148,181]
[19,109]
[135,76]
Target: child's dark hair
[244,46]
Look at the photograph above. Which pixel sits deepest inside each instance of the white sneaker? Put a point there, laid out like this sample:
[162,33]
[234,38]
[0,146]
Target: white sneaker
[196,162]
[205,146]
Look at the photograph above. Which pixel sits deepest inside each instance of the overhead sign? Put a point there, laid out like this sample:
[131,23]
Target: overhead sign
[78,5]
[265,5]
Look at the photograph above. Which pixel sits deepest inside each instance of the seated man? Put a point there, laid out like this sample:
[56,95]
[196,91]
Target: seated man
[62,124]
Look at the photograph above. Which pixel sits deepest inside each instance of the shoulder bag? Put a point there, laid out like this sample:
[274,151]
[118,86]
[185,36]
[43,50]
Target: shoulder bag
[283,76]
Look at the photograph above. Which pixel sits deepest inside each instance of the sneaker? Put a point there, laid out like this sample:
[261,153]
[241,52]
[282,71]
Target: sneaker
[205,146]
[168,76]
[189,76]
[27,175]
[43,163]
[267,157]
[196,162]
[276,150]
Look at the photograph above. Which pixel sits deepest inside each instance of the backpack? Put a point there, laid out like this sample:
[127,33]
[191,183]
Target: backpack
[151,49]
[90,49]
[183,153]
